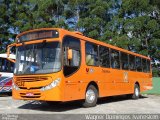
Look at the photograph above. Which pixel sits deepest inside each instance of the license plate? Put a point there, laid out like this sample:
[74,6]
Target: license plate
[29,94]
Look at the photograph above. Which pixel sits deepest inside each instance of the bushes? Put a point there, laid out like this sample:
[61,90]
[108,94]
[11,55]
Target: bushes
[155,72]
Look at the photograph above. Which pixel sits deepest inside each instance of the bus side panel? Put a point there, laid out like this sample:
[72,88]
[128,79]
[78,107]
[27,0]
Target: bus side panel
[133,78]
[142,79]
[107,78]
[147,82]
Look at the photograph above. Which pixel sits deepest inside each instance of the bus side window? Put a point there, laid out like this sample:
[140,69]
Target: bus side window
[104,56]
[12,67]
[144,65]
[139,64]
[115,59]
[3,65]
[6,65]
[71,66]
[0,64]
[148,66]
[91,54]
[132,65]
[124,61]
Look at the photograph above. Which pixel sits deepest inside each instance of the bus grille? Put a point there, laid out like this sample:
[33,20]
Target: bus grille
[32,88]
[31,79]
[36,95]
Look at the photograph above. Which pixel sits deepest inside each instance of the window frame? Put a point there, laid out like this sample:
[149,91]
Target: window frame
[92,54]
[140,64]
[118,58]
[129,56]
[109,57]
[148,62]
[144,67]
[123,60]
[135,69]
[80,62]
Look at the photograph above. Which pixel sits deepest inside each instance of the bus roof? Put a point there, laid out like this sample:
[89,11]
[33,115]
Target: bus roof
[4,55]
[80,35]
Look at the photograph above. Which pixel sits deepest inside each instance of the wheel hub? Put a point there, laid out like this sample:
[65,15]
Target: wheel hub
[90,96]
[136,92]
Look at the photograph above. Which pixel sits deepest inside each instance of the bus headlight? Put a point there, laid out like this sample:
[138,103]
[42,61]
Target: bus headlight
[15,86]
[52,85]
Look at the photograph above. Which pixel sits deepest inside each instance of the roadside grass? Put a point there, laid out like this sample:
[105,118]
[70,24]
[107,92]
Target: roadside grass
[156,87]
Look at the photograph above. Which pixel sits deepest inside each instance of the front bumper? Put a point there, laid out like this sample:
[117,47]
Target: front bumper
[49,95]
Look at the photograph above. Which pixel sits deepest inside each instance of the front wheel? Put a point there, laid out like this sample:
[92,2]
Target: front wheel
[91,96]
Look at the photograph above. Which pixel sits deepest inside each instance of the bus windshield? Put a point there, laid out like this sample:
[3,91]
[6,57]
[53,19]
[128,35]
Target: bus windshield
[38,58]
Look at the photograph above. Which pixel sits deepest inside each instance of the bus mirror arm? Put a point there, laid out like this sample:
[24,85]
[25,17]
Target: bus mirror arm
[70,54]
[8,52]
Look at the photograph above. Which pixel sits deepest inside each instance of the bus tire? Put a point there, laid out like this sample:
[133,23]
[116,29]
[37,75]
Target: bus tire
[91,96]
[136,93]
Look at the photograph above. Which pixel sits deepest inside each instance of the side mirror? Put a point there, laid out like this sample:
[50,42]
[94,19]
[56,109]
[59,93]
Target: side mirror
[70,54]
[9,57]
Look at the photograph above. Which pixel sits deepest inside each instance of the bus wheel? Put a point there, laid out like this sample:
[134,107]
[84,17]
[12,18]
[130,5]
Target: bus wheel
[136,93]
[91,96]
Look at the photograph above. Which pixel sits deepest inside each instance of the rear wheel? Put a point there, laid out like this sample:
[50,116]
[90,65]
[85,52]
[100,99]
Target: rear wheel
[136,93]
[91,96]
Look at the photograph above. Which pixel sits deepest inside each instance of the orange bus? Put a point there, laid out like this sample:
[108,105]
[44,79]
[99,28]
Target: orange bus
[54,64]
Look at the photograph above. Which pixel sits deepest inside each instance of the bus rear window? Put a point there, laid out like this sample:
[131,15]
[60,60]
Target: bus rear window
[43,34]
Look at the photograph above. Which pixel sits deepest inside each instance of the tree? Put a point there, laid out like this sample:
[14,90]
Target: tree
[136,22]
[6,35]
[37,14]
[88,16]
[129,24]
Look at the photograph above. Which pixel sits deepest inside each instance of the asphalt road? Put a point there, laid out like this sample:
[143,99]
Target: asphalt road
[147,104]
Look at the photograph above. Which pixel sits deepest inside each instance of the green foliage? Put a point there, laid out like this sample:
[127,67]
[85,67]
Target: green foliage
[121,41]
[155,72]
[139,18]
